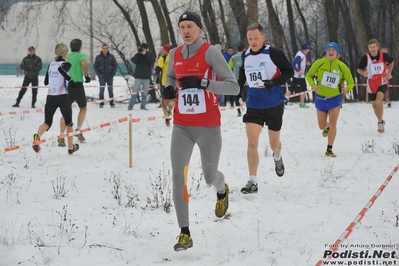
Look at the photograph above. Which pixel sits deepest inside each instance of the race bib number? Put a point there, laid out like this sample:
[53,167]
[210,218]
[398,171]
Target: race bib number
[330,80]
[192,101]
[377,68]
[255,76]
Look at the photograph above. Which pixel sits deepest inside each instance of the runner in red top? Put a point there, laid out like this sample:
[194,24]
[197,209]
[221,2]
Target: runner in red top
[191,82]
[373,66]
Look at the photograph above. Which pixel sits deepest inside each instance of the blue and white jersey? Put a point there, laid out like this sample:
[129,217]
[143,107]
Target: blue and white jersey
[257,68]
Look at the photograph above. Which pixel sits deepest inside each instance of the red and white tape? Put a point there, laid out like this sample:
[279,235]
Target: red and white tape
[348,231]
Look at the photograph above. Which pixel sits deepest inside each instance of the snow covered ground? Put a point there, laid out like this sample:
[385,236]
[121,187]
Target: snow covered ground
[112,214]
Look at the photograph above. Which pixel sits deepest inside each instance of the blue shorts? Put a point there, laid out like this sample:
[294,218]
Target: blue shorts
[325,104]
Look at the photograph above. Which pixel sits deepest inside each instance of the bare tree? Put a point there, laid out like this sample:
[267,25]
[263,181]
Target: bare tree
[332,14]
[238,8]
[291,23]
[277,29]
[161,21]
[209,18]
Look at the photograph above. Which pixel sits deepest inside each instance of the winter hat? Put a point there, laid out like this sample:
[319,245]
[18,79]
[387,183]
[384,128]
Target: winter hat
[305,46]
[333,45]
[166,47]
[190,15]
[144,46]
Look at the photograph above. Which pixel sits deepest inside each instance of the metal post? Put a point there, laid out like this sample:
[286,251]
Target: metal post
[92,73]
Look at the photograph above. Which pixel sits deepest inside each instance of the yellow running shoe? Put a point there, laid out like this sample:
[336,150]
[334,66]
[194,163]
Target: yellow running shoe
[330,153]
[36,147]
[222,204]
[325,132]
[61,142]
[184,242]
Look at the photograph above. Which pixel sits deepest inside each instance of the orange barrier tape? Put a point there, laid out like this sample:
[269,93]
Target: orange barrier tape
[103,125]
[361,214]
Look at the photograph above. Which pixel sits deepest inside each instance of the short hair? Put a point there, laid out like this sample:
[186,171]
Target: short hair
[60,50]
[76,44]
[373,41]
[31,48]
[256,26]
[104,44]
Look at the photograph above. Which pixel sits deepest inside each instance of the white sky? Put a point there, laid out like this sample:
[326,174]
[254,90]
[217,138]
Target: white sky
[289,222]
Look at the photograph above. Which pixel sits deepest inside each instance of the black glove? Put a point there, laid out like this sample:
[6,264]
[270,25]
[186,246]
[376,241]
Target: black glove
[169,93]
[72,84]
[87,79]
[190,82]
[243,92]
[269,84]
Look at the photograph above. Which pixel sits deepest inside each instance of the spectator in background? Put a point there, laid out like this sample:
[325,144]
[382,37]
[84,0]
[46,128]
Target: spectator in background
[228,54]
[161,69]
[76,91]
[235,63]
[144,61]
[373,66]
[105,67]
[299,64]
[387,92]
[31,64]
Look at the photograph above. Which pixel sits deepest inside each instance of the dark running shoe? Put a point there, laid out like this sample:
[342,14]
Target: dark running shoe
[279,167]
[184,242]
[75,147]
[250,188]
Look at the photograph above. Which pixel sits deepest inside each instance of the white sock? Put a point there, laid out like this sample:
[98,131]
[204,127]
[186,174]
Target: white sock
[253,179]
[277,158]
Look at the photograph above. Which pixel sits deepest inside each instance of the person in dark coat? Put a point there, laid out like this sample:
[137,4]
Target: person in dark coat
[31,64]
[144,61]
[105,67]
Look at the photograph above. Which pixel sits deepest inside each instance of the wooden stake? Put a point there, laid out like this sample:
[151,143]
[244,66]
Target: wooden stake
[130,142]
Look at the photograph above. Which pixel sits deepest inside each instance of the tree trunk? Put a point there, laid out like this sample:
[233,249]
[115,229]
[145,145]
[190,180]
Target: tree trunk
[252,12]
[361,10]
[208,16]
[332,14]
[304,23]
[395,79]
[169,24]
[291,23]
[277,29]
[238,8]
[229,39]
[146,25]
[161,22]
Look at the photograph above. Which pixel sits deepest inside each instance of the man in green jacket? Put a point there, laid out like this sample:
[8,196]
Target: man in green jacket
[329,72]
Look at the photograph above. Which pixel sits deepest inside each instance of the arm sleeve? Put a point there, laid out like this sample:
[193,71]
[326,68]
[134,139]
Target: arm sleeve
[23,64]
[312,71]
[115,66]
[64,68]
[281,61]
[46,77]
[135,58]
[227,83]
[350,83]
[170,72]
[296,64]
[96,62]
[363,63]
[38,66]
[387,58]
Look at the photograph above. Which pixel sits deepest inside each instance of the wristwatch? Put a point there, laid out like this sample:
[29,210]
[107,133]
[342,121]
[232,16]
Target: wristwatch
[204,83]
